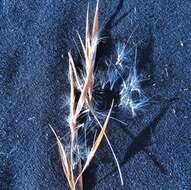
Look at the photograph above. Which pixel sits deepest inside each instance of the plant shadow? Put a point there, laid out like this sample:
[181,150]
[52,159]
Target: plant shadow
[142,141]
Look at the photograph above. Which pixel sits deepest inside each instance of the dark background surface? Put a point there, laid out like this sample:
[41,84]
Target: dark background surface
[154,150]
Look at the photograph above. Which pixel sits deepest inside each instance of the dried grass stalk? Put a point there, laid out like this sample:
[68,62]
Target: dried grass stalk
[84,102]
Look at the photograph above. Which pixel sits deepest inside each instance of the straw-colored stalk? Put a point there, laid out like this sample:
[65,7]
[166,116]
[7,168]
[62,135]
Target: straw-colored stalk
[84,101]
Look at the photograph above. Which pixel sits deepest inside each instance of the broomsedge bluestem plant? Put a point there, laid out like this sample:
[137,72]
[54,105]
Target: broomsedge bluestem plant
[87,124]
[74,152]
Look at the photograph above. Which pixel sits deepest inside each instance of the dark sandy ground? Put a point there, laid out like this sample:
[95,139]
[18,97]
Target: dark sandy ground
[154,150]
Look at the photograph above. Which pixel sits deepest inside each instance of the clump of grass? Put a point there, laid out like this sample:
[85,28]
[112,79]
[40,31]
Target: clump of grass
[75,151]
[87,120]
